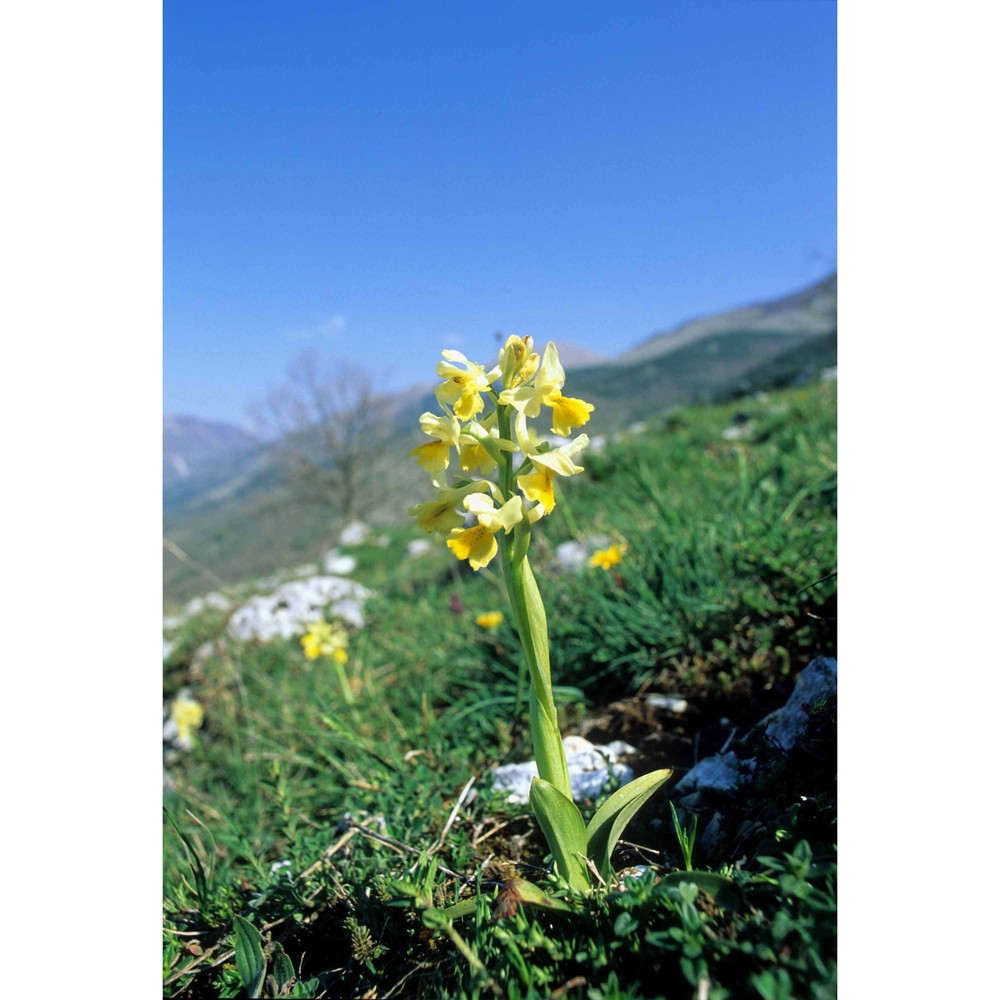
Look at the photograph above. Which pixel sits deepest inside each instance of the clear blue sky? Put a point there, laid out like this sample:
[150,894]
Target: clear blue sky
[379,181]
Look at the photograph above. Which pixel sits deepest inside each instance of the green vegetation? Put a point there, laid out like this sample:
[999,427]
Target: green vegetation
[319,847]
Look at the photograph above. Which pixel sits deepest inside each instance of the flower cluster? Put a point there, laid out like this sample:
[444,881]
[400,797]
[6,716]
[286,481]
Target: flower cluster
[488,441]
[325,639]
[186,715]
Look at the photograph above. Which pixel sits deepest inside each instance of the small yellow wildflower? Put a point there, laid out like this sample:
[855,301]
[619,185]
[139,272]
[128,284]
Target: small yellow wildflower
[606,558]
[325,639]
[188,716]
[489,619]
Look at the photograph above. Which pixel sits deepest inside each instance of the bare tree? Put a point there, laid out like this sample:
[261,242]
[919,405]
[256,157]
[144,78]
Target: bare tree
[330,431]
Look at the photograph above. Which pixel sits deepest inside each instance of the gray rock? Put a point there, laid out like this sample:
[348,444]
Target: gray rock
[787,725]
[721,773]
[716,778]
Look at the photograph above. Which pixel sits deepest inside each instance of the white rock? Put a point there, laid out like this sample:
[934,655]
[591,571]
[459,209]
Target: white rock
[738,431]
[194,606]
[418,547]
[217,601]
[354,533]
[290,609]
[588,769]
[668,702]
[168,648]
[571,556]
[828,374]
[337,562]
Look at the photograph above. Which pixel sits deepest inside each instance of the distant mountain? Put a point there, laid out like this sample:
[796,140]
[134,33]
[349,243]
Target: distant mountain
[810,312]
[572,356]
[199,454]
[716,357]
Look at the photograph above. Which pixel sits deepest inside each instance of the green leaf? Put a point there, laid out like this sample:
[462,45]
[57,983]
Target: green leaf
[200,881]
[249,957]
[610,820]
[562,825]
[284,971]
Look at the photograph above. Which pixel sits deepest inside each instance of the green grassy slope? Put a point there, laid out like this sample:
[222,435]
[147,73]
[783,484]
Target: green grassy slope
[723,595]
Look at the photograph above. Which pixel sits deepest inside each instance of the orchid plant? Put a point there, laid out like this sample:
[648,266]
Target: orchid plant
[516,487]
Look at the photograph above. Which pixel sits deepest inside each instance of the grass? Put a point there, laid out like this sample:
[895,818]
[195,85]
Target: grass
[725,592]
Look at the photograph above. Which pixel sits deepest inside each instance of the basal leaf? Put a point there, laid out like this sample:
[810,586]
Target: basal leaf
[562,825]
[610,820]
[249,956]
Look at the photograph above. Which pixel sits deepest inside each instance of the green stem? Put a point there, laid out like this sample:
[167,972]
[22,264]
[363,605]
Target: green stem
[345,684]
[532,629]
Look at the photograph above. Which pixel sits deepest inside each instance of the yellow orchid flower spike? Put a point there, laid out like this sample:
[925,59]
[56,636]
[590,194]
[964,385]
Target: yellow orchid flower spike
[505,511]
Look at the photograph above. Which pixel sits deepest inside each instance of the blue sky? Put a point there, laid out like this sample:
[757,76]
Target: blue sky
[376,182]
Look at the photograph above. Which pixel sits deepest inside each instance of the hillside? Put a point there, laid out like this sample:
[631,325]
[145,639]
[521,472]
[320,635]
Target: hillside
[232,517]
[809,312]
[199,455]
[337,821]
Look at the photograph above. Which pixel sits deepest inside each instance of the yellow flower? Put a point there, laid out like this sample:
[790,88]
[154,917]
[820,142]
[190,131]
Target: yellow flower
[461,388]
[440,514]
[517,362]
[527,399]
[539,486]
[606,558]
[433,456]
[568,413]
[325,639]
[488,515]
[437,515]
[489,619]
[188,716]
[478,448]
[476,544]
[559,460]
[444,428]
